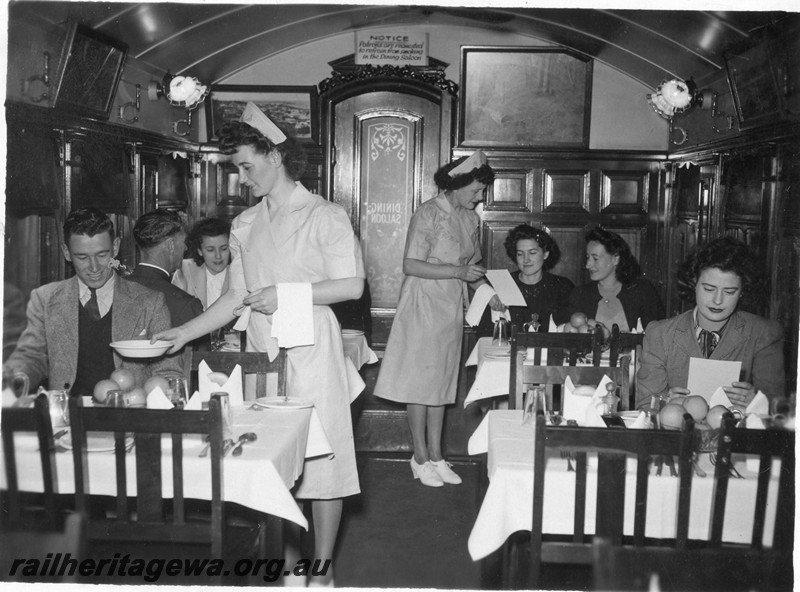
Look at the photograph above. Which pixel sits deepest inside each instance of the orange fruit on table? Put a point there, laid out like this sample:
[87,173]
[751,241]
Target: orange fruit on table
[101,389]
[124,378]
[696,406]
[156,381]
[578,319]
[714,416]
[136,397]
[671,416]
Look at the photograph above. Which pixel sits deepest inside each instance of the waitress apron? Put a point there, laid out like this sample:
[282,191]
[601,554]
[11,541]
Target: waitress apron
[312,241]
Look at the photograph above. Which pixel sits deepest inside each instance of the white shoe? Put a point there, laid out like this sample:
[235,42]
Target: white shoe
[446,474]
[426,473]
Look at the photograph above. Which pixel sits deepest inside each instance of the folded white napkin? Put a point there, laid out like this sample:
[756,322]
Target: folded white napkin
[233,386]
[594,410]
[196,402]
[758,406]
[641,422]
[552,328]
[158,400]
[480,300]
[639,328]
[244,318]
[584,408]
[293,322]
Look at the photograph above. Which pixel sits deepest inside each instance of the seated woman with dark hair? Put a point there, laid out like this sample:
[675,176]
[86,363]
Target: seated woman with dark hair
[720,276]
[205,275]
[617,293]
[535,253]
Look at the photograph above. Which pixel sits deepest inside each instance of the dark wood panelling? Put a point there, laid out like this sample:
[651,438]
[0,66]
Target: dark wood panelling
[573,252]
[624,192]
[512,191]
[494,238]
[565,191]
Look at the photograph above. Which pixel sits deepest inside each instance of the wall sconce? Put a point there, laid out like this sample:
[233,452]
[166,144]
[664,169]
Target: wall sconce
[133,105]
[676,96]
[43,78]
[180,91]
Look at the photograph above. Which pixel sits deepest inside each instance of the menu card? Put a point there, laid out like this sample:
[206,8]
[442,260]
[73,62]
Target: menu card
[705,376]
[505,287]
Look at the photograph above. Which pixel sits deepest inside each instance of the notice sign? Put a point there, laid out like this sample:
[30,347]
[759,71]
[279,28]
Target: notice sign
[397,49]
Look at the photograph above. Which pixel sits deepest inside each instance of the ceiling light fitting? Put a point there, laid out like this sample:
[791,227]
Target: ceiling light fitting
[180,91]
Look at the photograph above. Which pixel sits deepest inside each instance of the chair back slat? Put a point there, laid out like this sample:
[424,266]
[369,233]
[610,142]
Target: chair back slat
[257,363]
[149,500]
[122,476]
[148,426]
[612,446]
[36,419]
[768,445]
[178,507]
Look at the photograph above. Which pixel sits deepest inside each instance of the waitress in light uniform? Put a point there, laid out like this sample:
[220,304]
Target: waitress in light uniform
[293,246]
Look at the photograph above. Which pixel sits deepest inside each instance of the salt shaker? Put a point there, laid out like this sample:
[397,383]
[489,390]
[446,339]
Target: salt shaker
[610,400]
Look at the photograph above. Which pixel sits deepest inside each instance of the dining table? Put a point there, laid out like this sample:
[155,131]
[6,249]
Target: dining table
[261,478]
[357,349]
[507,506]
[493,364]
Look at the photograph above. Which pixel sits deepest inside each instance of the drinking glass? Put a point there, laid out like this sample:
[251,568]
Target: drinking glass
[177,391]
[59,408]
[500,333]
[116,399]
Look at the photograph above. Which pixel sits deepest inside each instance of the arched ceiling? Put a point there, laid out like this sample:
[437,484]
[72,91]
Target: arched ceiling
[214,41]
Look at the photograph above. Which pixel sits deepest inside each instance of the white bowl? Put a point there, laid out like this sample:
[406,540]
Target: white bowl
[141,348]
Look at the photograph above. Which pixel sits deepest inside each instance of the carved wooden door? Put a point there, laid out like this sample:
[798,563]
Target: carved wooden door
[386,148]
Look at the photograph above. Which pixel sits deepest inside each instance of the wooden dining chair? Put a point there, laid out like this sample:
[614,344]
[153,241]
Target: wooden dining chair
[612,446]
[148,516]
[621,567]
[257,363]
[767,444]
[29,510]
[522,376]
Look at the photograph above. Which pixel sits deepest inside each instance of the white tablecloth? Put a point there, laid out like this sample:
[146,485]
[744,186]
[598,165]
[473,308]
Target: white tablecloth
[261,478]
[494,369]
[507,506]
[356,349]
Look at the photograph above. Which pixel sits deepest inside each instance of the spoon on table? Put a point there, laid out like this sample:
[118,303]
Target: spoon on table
[204,451]
[244,438]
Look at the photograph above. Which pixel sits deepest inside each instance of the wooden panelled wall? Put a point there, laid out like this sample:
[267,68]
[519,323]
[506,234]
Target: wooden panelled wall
[569,193]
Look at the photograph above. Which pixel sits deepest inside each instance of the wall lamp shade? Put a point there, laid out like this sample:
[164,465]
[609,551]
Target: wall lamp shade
[673,96]
[180,91]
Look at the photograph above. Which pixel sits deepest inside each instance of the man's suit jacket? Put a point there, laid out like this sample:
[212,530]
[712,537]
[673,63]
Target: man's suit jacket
[191,278]
[754,341]
[182,307]
[48,347]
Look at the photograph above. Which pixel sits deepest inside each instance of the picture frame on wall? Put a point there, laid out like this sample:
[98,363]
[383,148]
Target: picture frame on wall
[754,85]
[293,108]
[524,97]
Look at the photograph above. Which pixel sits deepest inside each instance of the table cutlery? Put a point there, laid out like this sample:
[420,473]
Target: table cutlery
[568,455]
[227,444]
[698,471]
[243,439]
[731,469]
[204,451]
[59,434]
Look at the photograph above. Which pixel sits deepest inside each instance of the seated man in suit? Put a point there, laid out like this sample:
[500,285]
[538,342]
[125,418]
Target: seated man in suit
[162,243]
[721,276]
[71,322]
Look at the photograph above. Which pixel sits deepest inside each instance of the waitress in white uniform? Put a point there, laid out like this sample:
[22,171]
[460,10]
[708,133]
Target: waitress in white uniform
[293,237]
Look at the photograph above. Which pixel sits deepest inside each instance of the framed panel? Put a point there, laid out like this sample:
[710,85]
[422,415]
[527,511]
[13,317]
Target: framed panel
[754,86]
[520,97]
[88,71]
[292,108]
[511,191]
[565,191]
[624,192]
[571,243]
